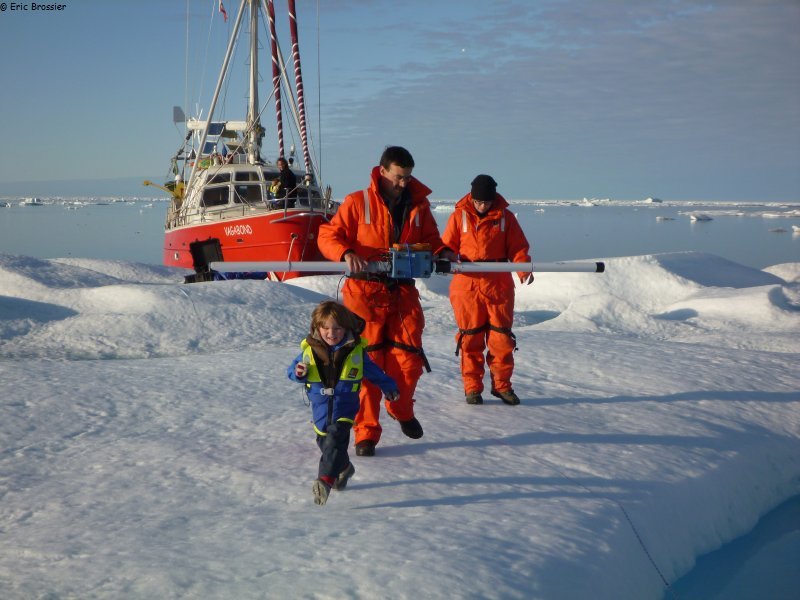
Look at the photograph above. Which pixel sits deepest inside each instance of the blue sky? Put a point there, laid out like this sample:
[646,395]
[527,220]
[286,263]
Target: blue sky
[554,98]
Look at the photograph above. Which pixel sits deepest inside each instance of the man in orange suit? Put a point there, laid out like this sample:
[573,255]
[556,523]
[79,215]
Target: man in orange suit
[394,209]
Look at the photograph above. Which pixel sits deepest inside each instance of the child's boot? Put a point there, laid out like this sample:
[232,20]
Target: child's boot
[344,477]
[321,489]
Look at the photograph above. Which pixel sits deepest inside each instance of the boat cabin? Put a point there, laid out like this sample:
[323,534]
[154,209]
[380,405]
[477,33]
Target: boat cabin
[236,185]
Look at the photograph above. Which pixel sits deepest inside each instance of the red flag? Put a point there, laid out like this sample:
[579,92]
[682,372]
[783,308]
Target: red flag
[223,11]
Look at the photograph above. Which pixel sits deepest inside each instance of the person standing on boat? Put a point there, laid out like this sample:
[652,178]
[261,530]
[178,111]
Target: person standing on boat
[394,209]
[333,364]
[284,187]
[482,229]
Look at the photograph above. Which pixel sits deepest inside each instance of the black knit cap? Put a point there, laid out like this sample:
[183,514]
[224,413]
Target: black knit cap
[484,188]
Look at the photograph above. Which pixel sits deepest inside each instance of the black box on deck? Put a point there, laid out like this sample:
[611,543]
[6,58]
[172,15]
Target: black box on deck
[203,253]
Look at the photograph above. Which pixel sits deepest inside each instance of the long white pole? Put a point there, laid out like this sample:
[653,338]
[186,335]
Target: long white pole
[380,267]
[546,267]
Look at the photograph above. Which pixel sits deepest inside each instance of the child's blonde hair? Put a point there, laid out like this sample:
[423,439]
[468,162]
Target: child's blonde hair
[330,309]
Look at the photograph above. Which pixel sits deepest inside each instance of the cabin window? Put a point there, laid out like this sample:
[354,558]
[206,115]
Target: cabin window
[215,196]
[220,178]
[247,176]
[247,194]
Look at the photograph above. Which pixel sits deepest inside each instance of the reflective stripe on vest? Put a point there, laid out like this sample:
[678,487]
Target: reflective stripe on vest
[367,220]
[368,217]
[464,223]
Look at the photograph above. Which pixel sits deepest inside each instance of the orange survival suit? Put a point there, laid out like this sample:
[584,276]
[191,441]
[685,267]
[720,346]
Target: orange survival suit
[483,303]
[390,307]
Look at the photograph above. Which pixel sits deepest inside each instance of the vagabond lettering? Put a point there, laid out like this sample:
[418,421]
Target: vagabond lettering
[238,230]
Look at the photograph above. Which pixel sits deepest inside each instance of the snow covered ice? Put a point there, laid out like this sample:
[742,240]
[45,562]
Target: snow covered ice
[151,445]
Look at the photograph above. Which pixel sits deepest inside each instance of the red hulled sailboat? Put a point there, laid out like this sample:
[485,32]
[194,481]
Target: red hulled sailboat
[226,204]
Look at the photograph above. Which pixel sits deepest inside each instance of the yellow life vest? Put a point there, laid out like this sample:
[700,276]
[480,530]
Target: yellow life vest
[352,369]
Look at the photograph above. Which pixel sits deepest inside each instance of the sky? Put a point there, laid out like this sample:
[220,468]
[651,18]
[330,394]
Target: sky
[151,445]
[559,99]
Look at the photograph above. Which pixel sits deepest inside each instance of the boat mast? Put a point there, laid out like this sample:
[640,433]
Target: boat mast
[254,130]
[298,84]
[276,75]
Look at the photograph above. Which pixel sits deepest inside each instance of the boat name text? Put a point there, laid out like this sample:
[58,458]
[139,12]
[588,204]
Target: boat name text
[238,230]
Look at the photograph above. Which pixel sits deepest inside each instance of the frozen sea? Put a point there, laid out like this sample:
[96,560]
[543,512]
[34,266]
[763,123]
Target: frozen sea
[753,234]
[660,422]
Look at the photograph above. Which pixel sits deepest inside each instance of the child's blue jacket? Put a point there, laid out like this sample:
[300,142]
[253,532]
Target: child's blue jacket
[334,378]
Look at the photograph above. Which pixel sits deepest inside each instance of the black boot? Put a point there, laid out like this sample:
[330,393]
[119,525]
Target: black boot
[411,428]
[365,448]
[509,397]
[474,398]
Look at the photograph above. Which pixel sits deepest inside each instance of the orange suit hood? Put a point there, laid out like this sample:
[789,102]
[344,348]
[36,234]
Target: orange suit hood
[364,224]
[495,236]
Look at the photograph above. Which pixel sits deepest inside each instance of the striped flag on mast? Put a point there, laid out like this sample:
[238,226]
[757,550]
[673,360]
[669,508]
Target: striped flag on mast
[223,11]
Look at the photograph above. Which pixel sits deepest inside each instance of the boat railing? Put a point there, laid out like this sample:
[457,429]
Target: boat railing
[178,216]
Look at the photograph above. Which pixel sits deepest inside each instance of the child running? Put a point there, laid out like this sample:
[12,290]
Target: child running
[331,365]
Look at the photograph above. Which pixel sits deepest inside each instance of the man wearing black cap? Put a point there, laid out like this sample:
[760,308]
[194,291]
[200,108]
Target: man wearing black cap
[482,229]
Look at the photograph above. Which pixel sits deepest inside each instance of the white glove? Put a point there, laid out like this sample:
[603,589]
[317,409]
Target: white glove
[393,395]
[301,369]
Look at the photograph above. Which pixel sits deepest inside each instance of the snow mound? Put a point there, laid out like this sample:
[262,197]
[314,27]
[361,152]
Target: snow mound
[103,309]
[685,296]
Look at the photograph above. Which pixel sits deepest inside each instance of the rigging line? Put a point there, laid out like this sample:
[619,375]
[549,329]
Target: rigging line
[314,147]
[205,58]
[228,78]
[292,102]
[240,144]
[186,71]
[282,68]
[319,97]
[339,287]
[215,97]
[276,75]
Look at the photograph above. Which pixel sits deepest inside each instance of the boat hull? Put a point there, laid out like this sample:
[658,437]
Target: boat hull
[270,236]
